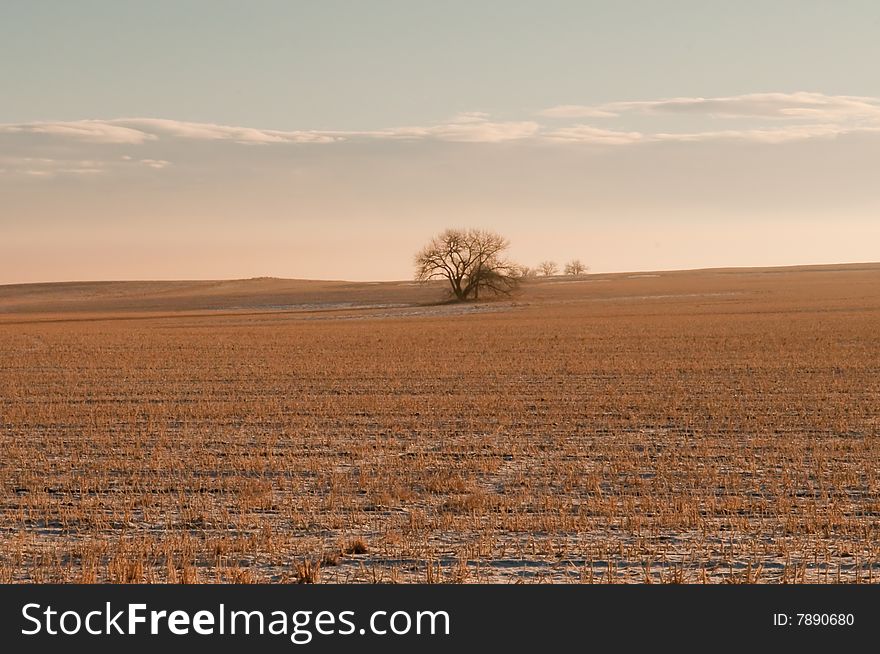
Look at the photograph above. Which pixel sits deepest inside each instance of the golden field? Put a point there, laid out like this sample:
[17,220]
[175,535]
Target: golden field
[704,426]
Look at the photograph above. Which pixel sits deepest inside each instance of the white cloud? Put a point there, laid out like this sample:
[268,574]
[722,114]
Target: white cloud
[596,135]
[802,105]
[483,131]
[46,167]
[471,127]
[786,117]
[470,117]
[90,131]
[156,163]
[81,147]
[162,127]
[781,135]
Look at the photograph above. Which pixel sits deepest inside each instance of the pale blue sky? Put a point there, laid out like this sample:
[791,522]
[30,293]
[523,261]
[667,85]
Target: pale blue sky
[635,135]
[360,65]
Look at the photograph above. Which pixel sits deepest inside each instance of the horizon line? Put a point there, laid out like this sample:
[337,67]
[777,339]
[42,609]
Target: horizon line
[410,280]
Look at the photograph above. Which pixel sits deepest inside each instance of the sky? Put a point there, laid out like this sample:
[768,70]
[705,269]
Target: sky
[208,140]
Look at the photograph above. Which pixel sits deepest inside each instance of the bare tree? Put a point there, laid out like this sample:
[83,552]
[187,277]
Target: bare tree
[471,260]
[525,272]
[548,268]
[575,267]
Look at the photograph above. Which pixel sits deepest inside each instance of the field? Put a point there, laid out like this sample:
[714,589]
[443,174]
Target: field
[705,426]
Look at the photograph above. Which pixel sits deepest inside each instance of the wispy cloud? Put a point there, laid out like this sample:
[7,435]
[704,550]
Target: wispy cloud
[469,127]
[471,117]
[89,131]
[155,163]
[779,135]
[88,147]
[161,127]
[596,135]
[802,105]
[48,167]
[52,167]
[474,127]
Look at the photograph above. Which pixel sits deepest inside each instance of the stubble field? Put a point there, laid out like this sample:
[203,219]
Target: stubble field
[706,426]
